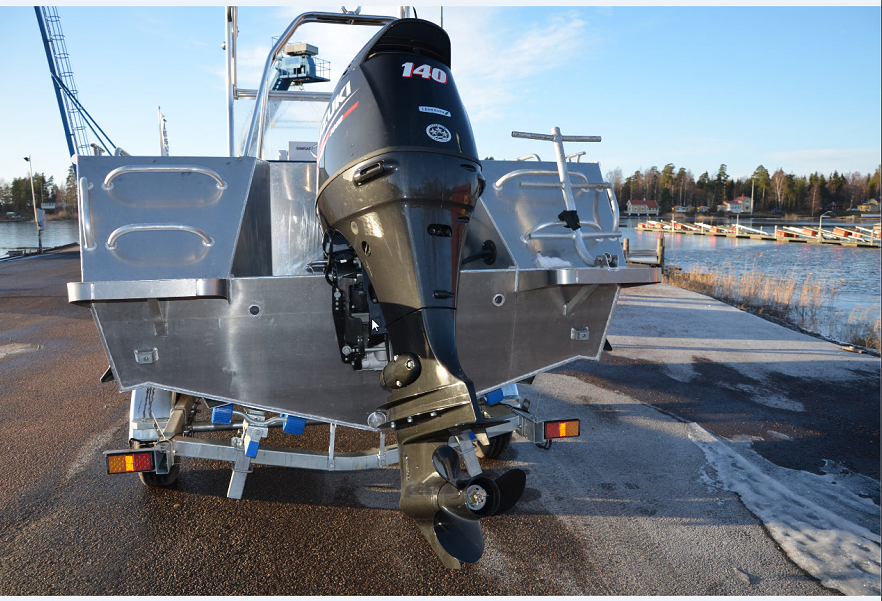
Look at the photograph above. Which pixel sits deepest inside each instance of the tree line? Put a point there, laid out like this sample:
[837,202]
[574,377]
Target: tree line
[16,196]
[780,191]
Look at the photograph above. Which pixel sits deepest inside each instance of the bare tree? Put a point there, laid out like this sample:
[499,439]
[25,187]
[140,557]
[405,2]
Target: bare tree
[615,178]
[779,184]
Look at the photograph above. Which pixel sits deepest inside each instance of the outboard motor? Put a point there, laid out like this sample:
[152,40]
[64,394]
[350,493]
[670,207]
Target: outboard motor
[399,176]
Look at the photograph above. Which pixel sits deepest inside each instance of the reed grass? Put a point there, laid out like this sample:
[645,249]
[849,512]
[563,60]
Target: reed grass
[861,329]
[793,298]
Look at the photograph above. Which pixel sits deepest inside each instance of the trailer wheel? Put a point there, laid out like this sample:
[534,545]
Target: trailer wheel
[497,446]
[154,479]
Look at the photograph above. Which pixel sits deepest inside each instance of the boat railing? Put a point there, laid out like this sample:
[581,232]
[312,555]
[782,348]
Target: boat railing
[254,139]
[108,180]
[568,218]
[86,214]
[207,240]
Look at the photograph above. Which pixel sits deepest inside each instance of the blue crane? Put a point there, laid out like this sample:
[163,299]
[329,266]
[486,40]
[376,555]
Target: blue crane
[74,117]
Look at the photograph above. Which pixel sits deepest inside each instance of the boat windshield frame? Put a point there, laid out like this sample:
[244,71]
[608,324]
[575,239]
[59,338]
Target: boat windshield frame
[253,145]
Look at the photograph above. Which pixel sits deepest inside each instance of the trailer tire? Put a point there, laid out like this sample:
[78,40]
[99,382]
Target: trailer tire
[497,446]
[154,479]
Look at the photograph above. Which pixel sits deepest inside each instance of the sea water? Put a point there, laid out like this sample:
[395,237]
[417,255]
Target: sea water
[22,235]
[854,273]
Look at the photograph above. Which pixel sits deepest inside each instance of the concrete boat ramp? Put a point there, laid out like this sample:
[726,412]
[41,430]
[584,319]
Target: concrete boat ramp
[720,454]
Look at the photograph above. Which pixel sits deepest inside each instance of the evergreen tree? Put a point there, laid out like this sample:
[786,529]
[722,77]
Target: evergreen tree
[873,183]
[761,181]
[680,184]
[720,184]
[21,195]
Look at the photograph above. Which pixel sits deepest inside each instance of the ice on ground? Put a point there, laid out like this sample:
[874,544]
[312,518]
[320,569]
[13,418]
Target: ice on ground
[551,262]
[822,525]
[682,372]
[765,397]
[17,348]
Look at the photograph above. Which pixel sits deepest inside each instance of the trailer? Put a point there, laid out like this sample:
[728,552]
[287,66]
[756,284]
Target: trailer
[391,282]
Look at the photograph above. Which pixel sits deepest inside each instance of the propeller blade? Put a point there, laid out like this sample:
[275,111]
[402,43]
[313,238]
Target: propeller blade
[446,461]
[460,538]
[511,486]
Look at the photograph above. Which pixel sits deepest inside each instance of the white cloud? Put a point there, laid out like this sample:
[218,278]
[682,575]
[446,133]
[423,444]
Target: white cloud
[497,65]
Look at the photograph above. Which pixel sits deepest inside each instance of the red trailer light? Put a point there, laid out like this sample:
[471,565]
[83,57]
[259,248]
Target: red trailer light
[131,462]
[561,429]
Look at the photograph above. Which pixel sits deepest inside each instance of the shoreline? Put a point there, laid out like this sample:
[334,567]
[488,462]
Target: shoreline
[846,346]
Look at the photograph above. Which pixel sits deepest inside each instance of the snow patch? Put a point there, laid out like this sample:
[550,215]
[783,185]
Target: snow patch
[843,555]
[682,372]
[742,438]
[17,348]
[770,399]
[90,451]
[551,262]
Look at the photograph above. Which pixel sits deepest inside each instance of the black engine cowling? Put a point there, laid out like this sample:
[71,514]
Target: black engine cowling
[399,176]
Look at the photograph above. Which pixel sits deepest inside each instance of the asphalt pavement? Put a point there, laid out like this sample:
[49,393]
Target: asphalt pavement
[628,508]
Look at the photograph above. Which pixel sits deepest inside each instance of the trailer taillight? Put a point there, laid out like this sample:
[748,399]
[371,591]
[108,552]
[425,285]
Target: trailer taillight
[561,429]
[130,462]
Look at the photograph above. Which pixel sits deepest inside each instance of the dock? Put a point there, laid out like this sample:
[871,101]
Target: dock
[857,236]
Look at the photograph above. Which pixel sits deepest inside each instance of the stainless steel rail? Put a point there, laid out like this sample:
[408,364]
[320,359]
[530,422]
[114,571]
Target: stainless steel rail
[254,140]
[86,214]
[614,204]
[600,234]
[519,172]
[566,186]
[559,186]
[156,227]
[108,181]
[287,95]
[554,136]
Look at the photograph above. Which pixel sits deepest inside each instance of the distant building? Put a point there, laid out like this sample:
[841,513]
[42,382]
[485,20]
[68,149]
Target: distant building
[745,203]
[871,206]
[701,209]
[681,209]
[731,206]
[642,207]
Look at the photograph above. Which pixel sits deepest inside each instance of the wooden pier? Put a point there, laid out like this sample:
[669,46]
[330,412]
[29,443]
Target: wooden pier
[857,236]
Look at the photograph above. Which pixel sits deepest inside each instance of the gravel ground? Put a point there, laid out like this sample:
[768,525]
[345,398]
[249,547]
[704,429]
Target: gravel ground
[625,509]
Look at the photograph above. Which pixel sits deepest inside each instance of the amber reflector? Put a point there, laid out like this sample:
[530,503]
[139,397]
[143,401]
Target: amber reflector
[562,429]
[130,462]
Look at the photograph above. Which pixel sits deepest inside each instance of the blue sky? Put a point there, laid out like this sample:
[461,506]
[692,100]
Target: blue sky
[790,87]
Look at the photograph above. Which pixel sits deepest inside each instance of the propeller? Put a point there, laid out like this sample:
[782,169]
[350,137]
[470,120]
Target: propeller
[464,502]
